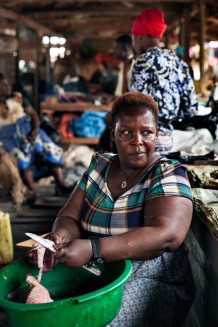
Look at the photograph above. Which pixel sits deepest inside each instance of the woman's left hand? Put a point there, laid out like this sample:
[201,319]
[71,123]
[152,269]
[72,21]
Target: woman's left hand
[76,254]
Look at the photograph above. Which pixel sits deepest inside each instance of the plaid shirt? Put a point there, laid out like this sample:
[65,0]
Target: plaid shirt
[102,214]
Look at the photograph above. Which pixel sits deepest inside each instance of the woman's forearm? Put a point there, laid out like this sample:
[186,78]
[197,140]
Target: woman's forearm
[67,226]
[142,244]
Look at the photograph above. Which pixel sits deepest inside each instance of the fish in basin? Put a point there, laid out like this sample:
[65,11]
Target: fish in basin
[38,293]
[34,293]
[44,259]
[41,257]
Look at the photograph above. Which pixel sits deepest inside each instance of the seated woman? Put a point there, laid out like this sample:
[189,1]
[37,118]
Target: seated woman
[35,152]
[138,206]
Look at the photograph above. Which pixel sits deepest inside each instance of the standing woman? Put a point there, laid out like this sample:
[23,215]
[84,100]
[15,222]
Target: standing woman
[139,207]
[161,74]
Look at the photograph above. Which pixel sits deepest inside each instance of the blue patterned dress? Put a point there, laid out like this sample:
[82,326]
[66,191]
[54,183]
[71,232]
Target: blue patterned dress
[160,291]
[42,154]
[166,78]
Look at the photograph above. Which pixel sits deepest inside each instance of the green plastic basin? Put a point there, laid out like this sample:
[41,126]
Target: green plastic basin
[81,298]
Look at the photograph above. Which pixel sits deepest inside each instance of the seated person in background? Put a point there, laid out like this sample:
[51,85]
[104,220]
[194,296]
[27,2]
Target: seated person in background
[161,74]
[31,146]
[138,205]
[124,52]
[97,76]
[105,78]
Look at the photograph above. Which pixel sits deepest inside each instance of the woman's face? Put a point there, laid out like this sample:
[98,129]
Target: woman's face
[135,134]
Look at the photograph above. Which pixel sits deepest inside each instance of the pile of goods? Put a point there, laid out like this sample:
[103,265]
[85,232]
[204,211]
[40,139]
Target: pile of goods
[204,182]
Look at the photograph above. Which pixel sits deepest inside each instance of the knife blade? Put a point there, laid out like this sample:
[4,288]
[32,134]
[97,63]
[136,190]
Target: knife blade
[48,244]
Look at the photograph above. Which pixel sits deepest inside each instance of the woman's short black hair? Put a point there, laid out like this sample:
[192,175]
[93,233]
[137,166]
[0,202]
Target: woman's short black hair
[133,100]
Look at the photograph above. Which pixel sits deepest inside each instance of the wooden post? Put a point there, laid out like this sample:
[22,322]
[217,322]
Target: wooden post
[182,30]
[187,33]
[36,75]
[201,38]
[184,39]
[48,67]
[17,59]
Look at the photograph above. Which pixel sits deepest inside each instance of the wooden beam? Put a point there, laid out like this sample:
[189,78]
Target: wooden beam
[62,3]
[94,13]
[131,1]
[26,21]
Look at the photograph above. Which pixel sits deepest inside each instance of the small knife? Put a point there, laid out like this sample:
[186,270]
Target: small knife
[48,244]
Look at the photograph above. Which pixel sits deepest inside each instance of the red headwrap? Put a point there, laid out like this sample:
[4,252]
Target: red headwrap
[149,22]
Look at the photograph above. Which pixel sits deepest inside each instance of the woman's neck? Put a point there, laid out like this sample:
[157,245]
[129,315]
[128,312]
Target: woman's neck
[121,178]
[151,43]
[148,164]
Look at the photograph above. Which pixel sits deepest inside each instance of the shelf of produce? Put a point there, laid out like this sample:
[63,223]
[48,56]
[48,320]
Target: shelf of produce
[52,108]
[49,108]
[81,140]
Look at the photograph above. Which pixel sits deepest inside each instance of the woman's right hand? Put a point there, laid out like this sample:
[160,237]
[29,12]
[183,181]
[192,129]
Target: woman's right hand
[40,257]
[60,238]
